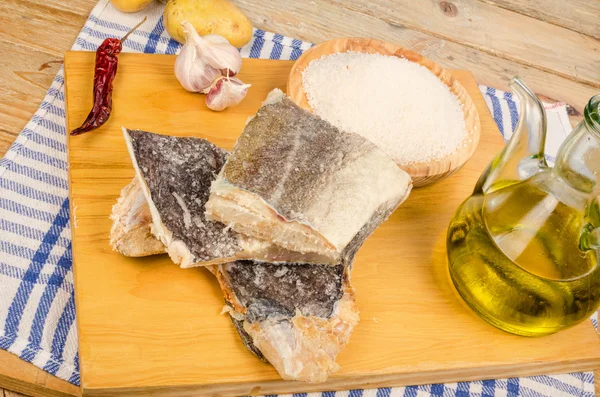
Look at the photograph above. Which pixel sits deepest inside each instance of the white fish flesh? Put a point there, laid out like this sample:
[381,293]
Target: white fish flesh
[297,181]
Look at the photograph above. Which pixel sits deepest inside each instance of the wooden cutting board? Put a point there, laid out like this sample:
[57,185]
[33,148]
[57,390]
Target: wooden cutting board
[147,326]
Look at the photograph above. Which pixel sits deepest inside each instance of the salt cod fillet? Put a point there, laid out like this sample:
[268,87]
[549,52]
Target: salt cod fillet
[174,176]
[297,181]
[297,317]
[131,233]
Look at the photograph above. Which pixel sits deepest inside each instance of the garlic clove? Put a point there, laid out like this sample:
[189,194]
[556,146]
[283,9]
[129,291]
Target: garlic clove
[225,92]
[191,68]
[219,54]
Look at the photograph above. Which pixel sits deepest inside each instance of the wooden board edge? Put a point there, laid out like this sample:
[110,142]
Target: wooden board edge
[23,377]
[390,380]
[72,207]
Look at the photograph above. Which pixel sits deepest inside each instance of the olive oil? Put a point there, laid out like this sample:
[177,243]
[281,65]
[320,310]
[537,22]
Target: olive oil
[515,258]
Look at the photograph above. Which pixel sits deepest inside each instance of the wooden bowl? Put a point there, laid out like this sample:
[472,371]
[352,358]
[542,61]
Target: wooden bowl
[422,173]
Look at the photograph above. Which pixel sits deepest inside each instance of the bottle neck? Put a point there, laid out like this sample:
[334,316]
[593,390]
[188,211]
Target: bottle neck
[578,160]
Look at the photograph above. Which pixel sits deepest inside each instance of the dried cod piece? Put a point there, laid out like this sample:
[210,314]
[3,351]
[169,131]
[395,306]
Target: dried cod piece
[297,181]
[131,233]
[298,317]
[175,174]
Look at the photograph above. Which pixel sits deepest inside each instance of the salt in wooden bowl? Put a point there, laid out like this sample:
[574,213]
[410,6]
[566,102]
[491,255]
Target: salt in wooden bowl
[422,173]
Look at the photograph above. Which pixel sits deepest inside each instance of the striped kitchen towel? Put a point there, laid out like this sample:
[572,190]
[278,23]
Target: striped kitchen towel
[37,310]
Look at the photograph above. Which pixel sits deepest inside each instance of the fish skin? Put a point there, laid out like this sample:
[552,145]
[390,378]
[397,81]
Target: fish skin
[175,174]
[304,185]
[265,288]
[247,339]
[297,317]
[159,161]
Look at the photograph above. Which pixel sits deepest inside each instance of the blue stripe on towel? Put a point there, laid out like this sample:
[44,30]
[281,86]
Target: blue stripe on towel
[512,109]
[19,273]
[410,391]
[497,110]
[35,174]
[33,213]
[44,140]
[383,392]
[297,51]
[155,36]
[513,387]
[172,47]
[52,367]
[49,125]
[258,44]
[53,109]
[30,192]
[56,93]
[15,311]
[43,158]
[62,329]
[437,390]
[488,388]
[74,378]
[28,231]
[52,287]
[103,36]
[277,47]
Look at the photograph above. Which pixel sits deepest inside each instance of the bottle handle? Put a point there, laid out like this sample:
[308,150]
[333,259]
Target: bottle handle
[523,156]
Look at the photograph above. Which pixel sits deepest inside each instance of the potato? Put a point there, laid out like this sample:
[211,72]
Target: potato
[208,17]
[130,5]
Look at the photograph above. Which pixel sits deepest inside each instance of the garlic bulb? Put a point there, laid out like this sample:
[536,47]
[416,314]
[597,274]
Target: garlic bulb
[220,54]
[224,92]
[203,59]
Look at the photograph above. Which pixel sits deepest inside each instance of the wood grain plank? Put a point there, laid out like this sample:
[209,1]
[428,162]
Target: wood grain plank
[577,15]
[25,81]
[300,19]
[20,376]
[79,7]
[34,34]
[495,31]
[125,347]
[8,393]
[57,28]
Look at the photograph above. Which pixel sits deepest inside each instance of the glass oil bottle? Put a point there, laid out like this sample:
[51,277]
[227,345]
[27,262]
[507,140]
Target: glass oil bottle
[523,249]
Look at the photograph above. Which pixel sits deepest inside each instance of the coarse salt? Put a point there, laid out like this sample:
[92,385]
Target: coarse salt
[399,105]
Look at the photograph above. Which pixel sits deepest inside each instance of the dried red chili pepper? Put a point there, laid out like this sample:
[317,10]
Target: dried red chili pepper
[104,74]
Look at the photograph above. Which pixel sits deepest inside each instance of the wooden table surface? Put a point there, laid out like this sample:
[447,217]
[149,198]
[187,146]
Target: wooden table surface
[553,44]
